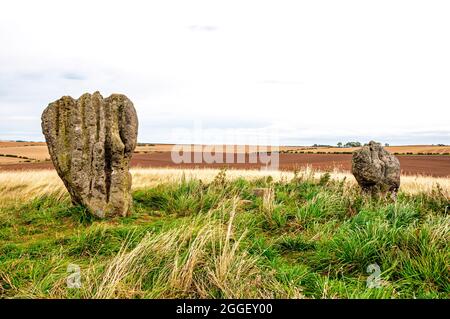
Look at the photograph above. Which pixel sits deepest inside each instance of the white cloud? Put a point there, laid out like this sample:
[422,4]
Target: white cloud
[315,70]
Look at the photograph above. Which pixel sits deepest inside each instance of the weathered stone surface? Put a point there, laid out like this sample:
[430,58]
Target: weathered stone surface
[375,169]
[91,141]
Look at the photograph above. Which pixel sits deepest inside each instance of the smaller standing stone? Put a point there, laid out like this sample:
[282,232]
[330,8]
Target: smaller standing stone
[375,169]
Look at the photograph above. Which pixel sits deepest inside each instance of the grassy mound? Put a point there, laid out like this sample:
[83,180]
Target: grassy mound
[298,238]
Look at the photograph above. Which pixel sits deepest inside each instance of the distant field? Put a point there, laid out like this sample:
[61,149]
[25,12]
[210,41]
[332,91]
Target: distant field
[405,149]
[414,149]
[10,160]
[148,148]
[415,159]
[13,144]
[38,150]
[32,152]
[29,151]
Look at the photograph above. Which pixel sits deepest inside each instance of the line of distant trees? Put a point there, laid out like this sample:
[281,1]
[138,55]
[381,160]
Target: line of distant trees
[353,144]
[321,145]
[349,144]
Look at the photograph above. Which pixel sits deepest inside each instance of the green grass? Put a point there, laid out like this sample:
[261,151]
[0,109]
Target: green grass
[306,238]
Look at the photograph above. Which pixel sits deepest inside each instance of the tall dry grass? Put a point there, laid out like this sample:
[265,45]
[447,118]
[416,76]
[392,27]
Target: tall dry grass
[200,259]
[26,185]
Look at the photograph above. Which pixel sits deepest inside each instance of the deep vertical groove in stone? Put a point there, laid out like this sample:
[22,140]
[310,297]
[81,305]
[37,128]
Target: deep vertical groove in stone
[108,168]
[120,123]
[91,141]
[108,149]
[66,136]
[97,114]
[58,127]
[89,145]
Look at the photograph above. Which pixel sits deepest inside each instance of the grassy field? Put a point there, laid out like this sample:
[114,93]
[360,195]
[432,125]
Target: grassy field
[227,234]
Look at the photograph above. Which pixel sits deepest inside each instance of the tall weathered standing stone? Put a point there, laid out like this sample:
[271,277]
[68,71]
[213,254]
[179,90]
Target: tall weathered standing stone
[91,141]
[375,169]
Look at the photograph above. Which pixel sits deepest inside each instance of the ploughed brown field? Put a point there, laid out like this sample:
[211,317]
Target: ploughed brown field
[433,165]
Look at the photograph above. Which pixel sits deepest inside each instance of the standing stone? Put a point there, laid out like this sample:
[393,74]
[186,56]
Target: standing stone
[375,169]
[91,141]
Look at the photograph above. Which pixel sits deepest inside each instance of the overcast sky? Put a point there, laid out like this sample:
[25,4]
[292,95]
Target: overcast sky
[301,71]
